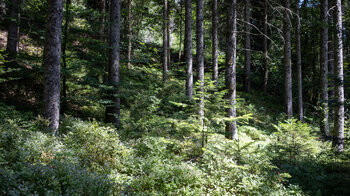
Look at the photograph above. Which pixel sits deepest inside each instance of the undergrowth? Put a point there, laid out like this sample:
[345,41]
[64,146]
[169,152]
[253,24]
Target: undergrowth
[161,149]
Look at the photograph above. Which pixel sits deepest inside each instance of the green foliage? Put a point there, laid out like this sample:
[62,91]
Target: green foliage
[244,169]
[96,147]
[162,147]
[34,162]
[293,141]
[88,157]
[55,178]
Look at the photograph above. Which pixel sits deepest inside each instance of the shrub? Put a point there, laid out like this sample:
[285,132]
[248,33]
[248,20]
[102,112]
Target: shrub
[293,141]
[54,178]
[97,147]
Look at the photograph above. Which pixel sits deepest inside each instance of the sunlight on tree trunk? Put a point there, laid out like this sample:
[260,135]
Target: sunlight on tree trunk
[338,137]
[287,61]
[188,48]
[113,111]
[230,77]
[52,64]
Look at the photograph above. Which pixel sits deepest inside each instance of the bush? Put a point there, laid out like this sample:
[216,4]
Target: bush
[293,141]
[54,178]
[240,168]
[97,147]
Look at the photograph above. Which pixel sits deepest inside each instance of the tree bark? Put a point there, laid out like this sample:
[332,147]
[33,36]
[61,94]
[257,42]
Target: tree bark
[331,68]
[215,23]
[331,57]
[300,74]
[102,10]
[188,48]
[129,33]
[247,51]
[230,68]
[338,138]
[324,69]
[52,63]
[165,41]
[64,57]
[265,49]
[180,44]
[200,56]
[287,61]
[13,28]
[113,111]
[169,36]
[107,38]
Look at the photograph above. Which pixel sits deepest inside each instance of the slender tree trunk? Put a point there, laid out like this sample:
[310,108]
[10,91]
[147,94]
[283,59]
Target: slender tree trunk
[107,38]
[200,56]
[165,41]
[265,49]
[300,75]
[129,32]
[230,76]
[102,34]
[13,28]
[188,48]
[180,44]
[102,10]
[113,112]
[215,24]
[331,62]
[331,44]
[169,36]
[324,68]
[64,57]
[287,61]
[338,138]
[52,63]
[247,51]
[313,59]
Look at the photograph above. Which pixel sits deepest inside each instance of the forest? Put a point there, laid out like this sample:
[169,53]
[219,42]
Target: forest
[175,97]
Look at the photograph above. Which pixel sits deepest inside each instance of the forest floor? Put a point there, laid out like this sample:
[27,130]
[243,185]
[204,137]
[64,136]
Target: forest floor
[161,149]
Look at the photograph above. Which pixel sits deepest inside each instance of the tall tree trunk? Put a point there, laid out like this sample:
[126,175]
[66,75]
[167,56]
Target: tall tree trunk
[180,44]
[52,63]
[200,55]
[215,23]
[103,30]
[324,68]
[64,57]
[287,61]
[102,10]
[247,51]
[165,41]
[169,35]
[331,55]
[107,38]
[113,112]
[230,69]
[129,33]
[338,138]
[331,67]
[265,48]
[315,80]
[13,28]
[188,48]
[300,75]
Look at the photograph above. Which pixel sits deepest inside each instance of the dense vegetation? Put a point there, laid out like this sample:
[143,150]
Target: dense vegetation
[162,145]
